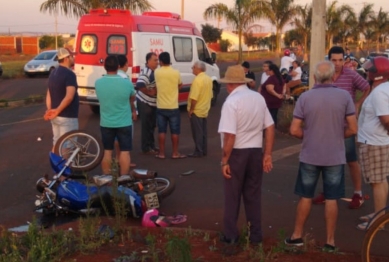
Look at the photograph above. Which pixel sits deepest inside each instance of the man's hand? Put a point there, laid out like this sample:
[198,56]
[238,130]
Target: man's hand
[190,112]
[134,116]
[152,92]
[226,171]
[267,163]
[50,114]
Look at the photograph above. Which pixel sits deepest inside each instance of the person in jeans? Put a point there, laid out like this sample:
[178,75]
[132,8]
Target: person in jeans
[350,81]
[244,118]
[318,119]
[62,100]
[146,100]
[199,103]
[114,95]
[373,135]
[273,91]
[168,81]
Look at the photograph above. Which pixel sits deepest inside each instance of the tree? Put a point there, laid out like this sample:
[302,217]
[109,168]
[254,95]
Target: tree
[363,23]
[224,45]
[250,40]
[379,25]
[210,33]
[303,25]
[240,16]
[48,41]
[280,13]
[292,37]
[77,8]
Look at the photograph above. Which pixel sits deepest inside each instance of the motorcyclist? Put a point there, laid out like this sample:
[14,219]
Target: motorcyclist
[286,62]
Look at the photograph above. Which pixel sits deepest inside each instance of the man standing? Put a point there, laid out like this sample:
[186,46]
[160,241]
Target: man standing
[373,135]
[146,97]
[199,103]
[318,119]
[168,81]
[249,75]
[244,117]
[62,97]
[114,94]
[349,81]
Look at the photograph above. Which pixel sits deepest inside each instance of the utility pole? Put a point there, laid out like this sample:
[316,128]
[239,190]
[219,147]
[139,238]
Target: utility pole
[56,32]
[182,9]
[317,51]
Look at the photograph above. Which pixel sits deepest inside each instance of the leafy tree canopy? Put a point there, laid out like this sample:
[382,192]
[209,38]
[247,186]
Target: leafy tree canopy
[210,33]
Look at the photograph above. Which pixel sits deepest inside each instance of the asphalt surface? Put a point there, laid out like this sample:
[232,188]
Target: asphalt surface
[24,159]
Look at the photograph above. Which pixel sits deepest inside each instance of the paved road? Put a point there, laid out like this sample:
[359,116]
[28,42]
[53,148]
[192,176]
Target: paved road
[23,160]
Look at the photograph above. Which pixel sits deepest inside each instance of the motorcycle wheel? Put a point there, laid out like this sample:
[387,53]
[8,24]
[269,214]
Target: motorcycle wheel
[89,155]
[163,186]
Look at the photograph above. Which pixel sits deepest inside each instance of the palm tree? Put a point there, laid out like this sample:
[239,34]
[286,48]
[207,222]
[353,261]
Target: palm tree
[280,13]
[363,23]
[240,16]
[77,8]
[303,25]
[379,25]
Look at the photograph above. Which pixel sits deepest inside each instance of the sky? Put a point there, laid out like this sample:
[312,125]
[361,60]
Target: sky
[23,16]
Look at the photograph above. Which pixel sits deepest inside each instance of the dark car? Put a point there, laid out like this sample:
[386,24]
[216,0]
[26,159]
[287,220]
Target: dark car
[1,69]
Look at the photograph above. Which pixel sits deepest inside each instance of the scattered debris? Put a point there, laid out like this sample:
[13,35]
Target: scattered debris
[187,173]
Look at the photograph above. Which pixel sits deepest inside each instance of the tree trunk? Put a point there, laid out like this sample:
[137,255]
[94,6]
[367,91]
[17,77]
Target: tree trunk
[240,55]
[278,40]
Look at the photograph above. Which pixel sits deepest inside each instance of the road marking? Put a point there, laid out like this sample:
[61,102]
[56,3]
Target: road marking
[285,152]
[20,122]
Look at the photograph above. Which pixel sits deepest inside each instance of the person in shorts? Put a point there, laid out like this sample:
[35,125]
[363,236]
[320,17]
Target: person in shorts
[373,135]
[113,93]
[318,119]
[62,100]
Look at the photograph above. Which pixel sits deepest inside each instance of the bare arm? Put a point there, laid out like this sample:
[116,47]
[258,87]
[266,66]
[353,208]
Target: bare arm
[296,128]
[70,92]
[192,107]
[270,89]
[228,145]
[48,100]
[385,121]
[359,103]
[179,86]
[352,126]
[148,91]
[133,109]
[269,141]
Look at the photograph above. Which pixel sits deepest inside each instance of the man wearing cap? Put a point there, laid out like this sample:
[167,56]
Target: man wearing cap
[62,97]
[243,119]
[249,75]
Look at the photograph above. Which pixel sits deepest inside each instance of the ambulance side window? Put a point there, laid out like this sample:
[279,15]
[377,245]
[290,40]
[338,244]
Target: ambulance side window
[88,44]
[202,51]
[117,45]
[183,49]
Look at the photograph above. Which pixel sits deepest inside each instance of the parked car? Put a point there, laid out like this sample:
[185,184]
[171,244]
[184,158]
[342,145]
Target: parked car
[42,64]
[1,69]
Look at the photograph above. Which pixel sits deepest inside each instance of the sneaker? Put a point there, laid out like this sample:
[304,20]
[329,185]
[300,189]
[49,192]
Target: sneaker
[356,201]
[226,240]
[319,200]
[329,249]
[298,242]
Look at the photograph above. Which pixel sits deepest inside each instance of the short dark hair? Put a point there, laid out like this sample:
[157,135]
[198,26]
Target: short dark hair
[149,55]
[297,62]
[122,60]
[111,63]
[164,57]
[335,50]
[246,64]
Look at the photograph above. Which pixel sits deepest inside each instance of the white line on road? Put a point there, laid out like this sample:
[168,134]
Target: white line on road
[20,122]
[285,152]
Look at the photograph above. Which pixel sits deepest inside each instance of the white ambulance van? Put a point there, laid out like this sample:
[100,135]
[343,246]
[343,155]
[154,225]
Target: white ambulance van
[105,32]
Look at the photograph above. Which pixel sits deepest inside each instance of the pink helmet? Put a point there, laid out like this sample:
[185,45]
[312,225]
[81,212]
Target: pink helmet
[151,218]
[287,52]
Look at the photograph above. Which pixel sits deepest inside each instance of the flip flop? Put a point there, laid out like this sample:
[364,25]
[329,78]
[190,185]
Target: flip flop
[179,156]
[160,157]
[160,221]
[177,219]
[367,217]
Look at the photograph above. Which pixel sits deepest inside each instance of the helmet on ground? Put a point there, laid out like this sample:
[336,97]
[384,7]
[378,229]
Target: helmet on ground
[378,68]
[151,218]
[287,52]
[362,60]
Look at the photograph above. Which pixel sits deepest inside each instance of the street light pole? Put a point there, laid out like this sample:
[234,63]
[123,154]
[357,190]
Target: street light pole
[317,50]
[56,32]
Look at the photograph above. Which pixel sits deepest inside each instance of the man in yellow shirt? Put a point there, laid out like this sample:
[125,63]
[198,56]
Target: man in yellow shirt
[168,82]
[199,103]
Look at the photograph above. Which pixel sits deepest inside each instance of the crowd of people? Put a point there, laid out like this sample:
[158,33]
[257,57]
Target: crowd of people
[326,118]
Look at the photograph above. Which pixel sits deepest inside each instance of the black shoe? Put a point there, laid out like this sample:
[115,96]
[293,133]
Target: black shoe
[228,240]
[329,248]
[298,242]
[195,155]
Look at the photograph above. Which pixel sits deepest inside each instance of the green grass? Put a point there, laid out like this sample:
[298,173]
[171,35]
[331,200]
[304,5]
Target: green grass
[13,69]
[252,55]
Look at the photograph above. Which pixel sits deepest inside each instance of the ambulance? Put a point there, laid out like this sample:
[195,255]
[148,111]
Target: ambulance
[105,32]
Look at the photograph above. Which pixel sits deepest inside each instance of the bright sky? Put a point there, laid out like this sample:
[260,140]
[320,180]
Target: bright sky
[24,15]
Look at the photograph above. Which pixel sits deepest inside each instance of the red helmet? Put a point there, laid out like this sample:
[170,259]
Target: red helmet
[378,68]
[287,52]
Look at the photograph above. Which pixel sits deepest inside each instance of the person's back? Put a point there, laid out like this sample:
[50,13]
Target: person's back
[167,80]
[286,62]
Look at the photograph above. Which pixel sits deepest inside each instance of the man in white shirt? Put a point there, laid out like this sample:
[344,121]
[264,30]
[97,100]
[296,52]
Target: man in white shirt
[373,137]
[286,61]
[244,117]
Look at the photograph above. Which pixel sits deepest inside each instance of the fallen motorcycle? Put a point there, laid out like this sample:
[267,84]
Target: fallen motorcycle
[141,189]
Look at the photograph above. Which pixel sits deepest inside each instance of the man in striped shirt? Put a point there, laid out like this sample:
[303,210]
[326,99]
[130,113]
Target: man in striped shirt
[146,99]
[349,80]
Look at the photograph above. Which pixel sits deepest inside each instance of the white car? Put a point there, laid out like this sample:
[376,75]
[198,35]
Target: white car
[42,64]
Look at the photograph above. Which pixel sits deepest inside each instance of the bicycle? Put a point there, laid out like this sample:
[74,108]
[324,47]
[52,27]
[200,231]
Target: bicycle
[376,236]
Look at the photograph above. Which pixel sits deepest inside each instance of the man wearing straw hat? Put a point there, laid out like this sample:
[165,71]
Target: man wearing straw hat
[244,117]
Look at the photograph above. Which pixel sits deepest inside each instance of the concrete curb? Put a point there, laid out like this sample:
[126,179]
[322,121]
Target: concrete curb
[23,102]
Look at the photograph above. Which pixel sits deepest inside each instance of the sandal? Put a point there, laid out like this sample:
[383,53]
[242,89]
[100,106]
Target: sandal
[160,156]
[367,218]
[363,226]
[179,156]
